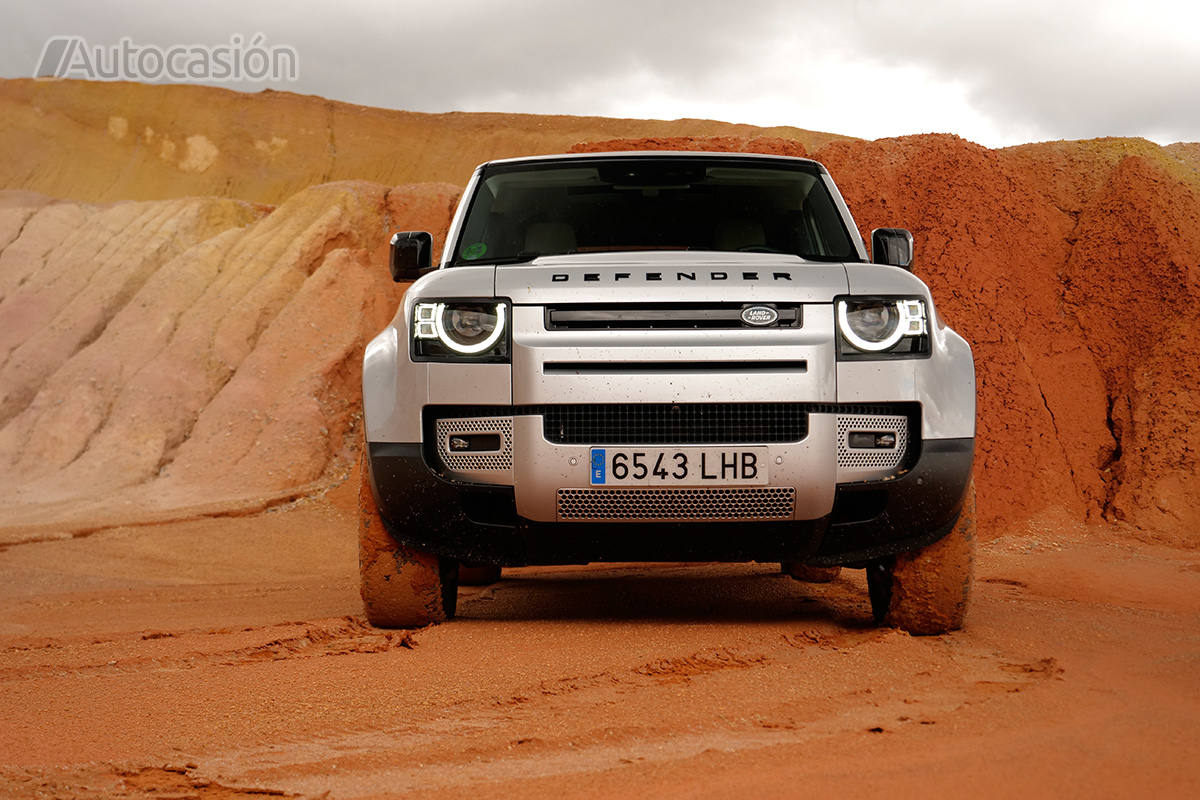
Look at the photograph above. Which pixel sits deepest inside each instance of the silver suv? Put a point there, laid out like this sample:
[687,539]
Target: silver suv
[665,356]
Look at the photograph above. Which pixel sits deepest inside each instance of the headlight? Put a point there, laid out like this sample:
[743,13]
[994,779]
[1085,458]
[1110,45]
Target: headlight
[466,329]
[882,326]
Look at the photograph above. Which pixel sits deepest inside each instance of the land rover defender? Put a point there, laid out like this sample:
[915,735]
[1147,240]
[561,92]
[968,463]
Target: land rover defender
[665,356]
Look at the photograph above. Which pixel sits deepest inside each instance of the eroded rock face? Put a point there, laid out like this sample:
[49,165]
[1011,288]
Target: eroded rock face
[725,144]
[172,356]
[189,353]
[70,268]
[1132,283]
[130,141]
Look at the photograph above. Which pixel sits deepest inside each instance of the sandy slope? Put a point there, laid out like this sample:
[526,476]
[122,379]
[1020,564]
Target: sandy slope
[190,658]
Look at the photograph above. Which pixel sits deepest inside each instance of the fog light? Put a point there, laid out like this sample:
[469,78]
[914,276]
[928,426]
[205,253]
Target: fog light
[475,443]
[871,440]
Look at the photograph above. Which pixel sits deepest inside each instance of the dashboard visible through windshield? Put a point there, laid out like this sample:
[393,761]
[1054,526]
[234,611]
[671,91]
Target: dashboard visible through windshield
[523,210]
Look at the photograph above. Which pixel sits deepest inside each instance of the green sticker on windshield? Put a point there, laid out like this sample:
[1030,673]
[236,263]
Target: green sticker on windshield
[474,251]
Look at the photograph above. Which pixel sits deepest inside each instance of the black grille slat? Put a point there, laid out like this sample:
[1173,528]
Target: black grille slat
[671,316]
[665,423]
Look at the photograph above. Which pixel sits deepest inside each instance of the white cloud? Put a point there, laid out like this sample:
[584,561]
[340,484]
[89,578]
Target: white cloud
[995,72]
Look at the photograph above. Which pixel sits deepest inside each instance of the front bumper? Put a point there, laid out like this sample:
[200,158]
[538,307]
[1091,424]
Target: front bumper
[836,523]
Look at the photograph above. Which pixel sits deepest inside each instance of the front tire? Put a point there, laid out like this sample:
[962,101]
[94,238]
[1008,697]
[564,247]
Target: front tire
[926,591]
[401,587]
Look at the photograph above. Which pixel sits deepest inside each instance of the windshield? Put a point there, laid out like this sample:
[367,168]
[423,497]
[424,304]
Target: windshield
[524,210]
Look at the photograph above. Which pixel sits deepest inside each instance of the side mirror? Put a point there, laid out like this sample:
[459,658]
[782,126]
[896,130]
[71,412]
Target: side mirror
[892,246]
[412,255]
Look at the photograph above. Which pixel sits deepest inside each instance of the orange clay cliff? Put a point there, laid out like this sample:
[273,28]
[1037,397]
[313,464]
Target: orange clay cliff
[188,276]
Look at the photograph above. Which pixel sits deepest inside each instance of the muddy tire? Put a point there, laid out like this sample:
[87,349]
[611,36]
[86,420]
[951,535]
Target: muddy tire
[807,574]
[926,591]
[477,575]
[401,587]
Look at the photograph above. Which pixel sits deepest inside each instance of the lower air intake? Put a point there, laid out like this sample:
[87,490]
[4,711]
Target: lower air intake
[668,505]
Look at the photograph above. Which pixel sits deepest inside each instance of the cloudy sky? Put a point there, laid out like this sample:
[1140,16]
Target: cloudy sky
[998,72]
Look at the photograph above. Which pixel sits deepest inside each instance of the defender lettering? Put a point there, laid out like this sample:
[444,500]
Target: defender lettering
[564,277]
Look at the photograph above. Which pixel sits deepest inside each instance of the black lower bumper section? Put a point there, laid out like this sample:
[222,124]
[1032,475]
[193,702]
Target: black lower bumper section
[873,520]
[479,524]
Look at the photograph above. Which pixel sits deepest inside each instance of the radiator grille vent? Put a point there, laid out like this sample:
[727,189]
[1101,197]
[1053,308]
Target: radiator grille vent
[672,316]
[664,423]
[696,505]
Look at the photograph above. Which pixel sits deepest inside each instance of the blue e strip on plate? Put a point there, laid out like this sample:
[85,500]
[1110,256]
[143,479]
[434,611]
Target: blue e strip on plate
[598,466]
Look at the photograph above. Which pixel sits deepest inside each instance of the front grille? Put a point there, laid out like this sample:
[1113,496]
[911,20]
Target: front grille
[685,423]
[672,316]
[695,505]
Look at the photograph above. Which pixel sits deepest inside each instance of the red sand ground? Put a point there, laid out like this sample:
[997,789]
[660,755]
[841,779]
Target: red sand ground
[172,363]
[226,658]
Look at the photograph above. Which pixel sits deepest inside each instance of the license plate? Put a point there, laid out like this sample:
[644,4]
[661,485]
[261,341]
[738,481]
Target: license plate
[678,466]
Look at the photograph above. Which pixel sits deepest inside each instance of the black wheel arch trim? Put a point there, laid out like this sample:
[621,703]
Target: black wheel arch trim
[922,506]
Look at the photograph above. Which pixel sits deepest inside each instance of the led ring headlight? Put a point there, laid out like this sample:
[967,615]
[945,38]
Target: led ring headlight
[908,320]
[430,322]
[459,347]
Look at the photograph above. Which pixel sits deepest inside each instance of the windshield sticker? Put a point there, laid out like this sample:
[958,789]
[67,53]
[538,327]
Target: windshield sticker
[474,251]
